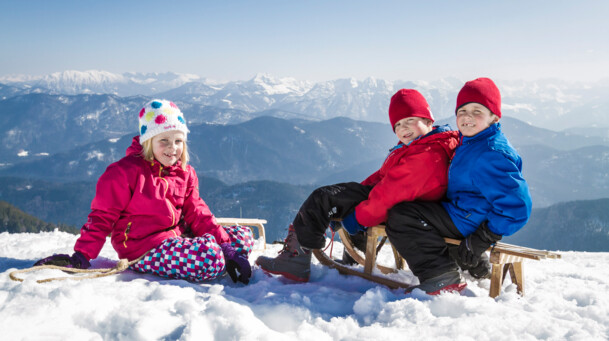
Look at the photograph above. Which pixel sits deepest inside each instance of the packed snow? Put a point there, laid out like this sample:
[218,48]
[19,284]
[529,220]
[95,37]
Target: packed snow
[565,299]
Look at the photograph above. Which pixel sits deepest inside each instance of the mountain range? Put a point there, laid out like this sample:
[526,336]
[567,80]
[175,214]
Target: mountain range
[577,225]
[260,146]
[14,220]
[99,82]
[558,166]
[553,104]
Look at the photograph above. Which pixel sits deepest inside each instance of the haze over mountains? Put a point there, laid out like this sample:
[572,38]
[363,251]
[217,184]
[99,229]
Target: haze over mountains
[552,104]
[69,126]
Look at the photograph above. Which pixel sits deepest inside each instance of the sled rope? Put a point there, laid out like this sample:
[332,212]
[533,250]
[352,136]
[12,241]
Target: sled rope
[331,245]
[121,266]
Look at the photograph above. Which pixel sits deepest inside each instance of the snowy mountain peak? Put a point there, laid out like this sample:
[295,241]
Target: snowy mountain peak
[73,82]
[82,77]
[272,86]
[176,79]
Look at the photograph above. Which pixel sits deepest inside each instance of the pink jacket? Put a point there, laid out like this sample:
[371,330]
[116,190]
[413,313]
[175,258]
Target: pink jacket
[142,203]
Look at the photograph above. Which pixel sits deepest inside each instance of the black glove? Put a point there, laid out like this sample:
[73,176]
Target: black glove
[472,247]
[77,261]
[236,262]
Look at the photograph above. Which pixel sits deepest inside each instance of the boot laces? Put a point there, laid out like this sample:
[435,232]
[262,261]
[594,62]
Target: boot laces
[287,241]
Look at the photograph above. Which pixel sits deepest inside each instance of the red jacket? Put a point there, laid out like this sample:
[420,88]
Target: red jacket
[142,203]
[418,171]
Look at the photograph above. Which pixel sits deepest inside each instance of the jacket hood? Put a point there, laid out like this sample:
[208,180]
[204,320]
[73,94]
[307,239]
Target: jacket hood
[439,133]
[439,129]
[135,148]
[444,136]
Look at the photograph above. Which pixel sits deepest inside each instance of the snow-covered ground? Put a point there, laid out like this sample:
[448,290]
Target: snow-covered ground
[566,299]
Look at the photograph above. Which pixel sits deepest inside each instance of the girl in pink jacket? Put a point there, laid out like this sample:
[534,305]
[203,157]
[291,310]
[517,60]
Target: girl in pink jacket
[149,203]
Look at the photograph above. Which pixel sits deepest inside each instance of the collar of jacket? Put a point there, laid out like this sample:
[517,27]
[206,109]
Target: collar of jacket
[486,133]
[157,168]
[435,130]
[160,170]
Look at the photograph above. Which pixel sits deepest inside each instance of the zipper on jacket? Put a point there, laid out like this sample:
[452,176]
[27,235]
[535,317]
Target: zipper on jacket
[173,216]
[126,234]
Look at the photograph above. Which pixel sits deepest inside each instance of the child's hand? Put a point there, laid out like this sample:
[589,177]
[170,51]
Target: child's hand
[472,247]
[236,262]
[77,260]
[351,224]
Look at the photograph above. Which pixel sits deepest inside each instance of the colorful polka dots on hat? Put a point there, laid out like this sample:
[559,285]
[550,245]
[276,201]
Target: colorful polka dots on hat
[159,116]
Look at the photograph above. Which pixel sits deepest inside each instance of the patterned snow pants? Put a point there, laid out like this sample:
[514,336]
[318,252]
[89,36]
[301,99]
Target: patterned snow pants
[194,259]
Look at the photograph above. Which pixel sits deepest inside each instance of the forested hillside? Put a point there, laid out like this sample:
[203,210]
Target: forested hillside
[14,220]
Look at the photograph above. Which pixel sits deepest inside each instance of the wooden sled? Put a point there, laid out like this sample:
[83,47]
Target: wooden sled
[504,258]
[323,258]
[251,223]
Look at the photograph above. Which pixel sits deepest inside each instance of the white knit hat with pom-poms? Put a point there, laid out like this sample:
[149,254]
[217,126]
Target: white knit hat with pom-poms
[159,116]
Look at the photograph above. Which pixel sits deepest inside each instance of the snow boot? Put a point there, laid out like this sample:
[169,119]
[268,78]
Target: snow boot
[347,259]
[293,261]
[447,282]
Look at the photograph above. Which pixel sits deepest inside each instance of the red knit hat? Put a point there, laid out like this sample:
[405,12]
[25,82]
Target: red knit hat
[408,103]
[483,91]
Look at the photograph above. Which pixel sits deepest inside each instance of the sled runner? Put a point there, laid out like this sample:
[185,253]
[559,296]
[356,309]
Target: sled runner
[504,258]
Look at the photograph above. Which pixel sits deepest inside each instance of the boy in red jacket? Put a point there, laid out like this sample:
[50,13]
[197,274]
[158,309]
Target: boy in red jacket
[415,169]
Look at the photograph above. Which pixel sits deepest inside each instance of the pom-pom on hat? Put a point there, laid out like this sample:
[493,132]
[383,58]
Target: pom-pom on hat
[483,91]
[159,116]
[408,103]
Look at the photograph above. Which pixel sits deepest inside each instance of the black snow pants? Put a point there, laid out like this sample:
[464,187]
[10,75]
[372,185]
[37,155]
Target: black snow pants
[326,203]
[417,231]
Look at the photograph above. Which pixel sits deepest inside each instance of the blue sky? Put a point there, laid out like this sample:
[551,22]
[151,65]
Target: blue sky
[310,40]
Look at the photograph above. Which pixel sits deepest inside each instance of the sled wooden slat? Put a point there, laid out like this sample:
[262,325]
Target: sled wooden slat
[251,223]
[504,259]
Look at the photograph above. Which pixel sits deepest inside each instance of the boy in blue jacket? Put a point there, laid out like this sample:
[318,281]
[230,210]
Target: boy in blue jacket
[487,198]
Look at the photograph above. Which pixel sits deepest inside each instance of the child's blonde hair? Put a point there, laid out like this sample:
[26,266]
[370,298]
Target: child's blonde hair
[148,155]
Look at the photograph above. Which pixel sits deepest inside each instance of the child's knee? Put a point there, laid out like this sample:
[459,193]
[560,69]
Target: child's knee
[208,260]
[242,238]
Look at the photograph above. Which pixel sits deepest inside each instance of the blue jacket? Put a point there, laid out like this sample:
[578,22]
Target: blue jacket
[485,183]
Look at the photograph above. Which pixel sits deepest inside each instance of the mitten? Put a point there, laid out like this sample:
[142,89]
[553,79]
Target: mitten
[236,262]
[472,247]
[77,260]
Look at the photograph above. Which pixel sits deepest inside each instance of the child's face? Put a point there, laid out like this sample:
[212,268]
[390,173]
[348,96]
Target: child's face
[409,128]
[473,118]
[167,147]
